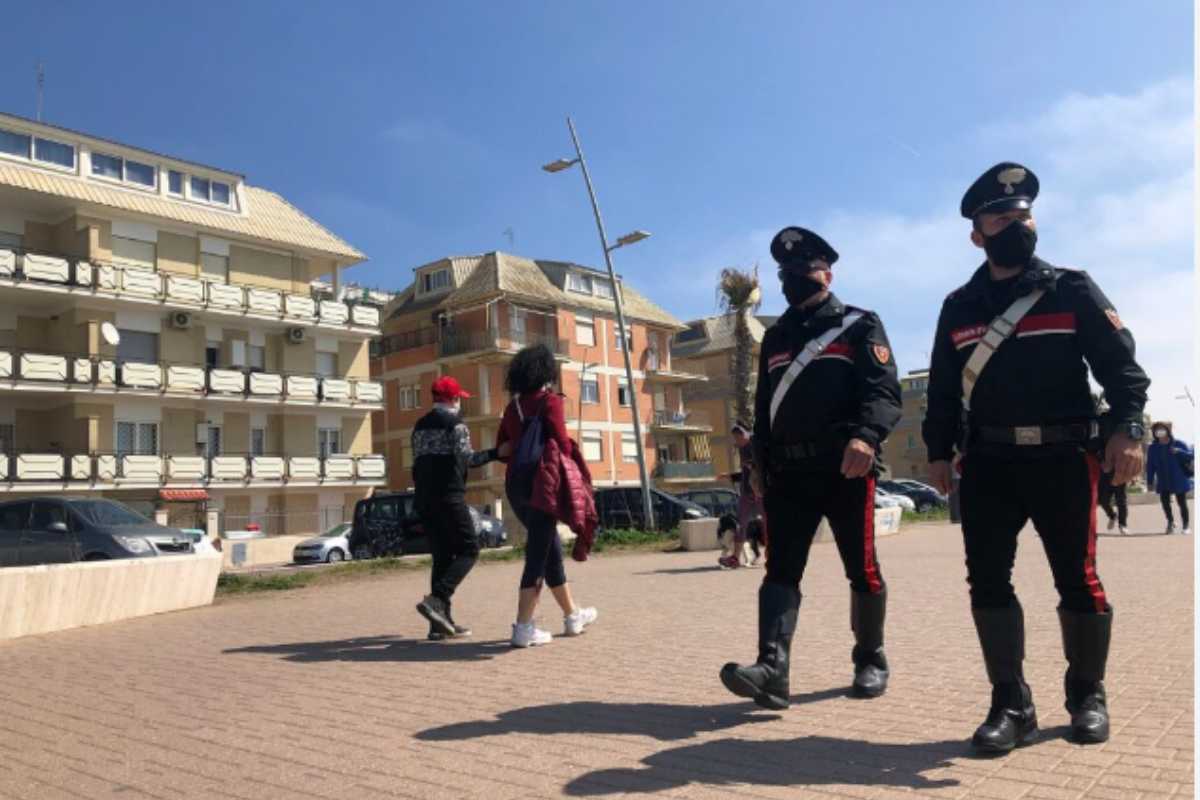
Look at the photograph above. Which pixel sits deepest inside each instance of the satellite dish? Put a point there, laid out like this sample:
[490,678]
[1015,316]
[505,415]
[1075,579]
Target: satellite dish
[110,334]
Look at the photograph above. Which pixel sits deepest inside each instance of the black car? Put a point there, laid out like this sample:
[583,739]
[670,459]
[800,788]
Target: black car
[388,525]
[717,502]
[923,498]
[57,530]
[621,507]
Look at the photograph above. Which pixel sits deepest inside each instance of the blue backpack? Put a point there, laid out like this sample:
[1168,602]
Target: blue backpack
[526,458]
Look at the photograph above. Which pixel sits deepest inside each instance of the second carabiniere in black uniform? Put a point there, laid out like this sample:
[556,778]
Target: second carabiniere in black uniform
[827,397]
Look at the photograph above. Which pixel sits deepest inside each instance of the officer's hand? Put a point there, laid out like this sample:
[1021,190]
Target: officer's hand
[504,450]
[939,476]
[1123,458]
[858,459]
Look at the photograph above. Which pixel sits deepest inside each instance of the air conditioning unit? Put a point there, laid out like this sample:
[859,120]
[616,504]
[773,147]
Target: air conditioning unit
[295,335]
[181,320]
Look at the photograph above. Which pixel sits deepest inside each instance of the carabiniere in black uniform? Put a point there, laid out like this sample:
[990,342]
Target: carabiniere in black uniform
[849,391]
[1029,445]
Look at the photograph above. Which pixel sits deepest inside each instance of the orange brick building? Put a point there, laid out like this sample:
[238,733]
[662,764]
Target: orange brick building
[467,316]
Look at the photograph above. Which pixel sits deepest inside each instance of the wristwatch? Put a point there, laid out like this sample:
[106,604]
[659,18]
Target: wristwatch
[1134,430]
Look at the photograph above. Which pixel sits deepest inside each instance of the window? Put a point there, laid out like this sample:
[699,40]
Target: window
[256,357]
[603,288]
[214,268]
[520,320]
[212,354]
[326,364]
[10,239]
[589,390]
[432,281]
[7,437]
[139,173]
[106,166]
[15,144]
[137,439]
[133,253]
[329,441]
[175,182]
[45,514]
[52,152]
[212,447]
[14,516]
[579,283]
[622,392]
[410,396]
[618,341]
[220,193]
[200,189]
[585,329]
[593,449]
[258,441]
[138,346]
[628,448]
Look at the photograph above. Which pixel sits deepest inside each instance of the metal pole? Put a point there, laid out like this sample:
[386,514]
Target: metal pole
[647,507]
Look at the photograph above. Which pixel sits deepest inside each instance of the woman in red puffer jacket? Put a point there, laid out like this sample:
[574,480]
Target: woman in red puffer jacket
[531,375]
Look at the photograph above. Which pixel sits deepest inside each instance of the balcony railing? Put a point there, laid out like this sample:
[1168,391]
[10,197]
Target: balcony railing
[133,468]
[684,470]
[102,278]
[179,378]
[455,342]
[682,420]
[408,340]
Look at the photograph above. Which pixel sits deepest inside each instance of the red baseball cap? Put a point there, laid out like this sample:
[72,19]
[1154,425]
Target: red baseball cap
[447,388]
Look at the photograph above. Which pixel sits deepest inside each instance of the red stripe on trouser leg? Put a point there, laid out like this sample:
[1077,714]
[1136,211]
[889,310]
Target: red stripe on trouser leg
[870,569]
[1090,578]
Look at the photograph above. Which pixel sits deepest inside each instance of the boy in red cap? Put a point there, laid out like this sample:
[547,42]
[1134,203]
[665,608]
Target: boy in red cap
[441,446]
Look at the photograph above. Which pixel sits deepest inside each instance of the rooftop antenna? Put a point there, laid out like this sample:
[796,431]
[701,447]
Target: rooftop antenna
[41,85]
[1187,395]
[511,238]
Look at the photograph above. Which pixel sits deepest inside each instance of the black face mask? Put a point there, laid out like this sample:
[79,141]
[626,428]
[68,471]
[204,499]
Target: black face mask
[798,287]
[1011,247]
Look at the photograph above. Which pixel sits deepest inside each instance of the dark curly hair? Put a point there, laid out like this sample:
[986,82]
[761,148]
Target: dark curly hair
[531,369]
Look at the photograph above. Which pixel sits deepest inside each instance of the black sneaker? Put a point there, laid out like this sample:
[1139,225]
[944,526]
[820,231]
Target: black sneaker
[436,635]
[437,612]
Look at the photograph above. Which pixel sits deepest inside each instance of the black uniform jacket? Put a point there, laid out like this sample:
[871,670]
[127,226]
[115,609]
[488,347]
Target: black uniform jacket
[849,391]
[1038,376]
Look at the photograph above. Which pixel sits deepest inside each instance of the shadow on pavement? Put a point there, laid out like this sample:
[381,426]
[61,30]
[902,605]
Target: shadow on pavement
[381,648]
[685,570]
[806,761]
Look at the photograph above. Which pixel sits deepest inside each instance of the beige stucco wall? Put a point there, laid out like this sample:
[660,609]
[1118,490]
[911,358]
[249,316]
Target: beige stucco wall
[178,254]
[261,268]
[183,347]
[300,357]
[235,433]
[354,359]
[356,434]
[178,434]
[299,435]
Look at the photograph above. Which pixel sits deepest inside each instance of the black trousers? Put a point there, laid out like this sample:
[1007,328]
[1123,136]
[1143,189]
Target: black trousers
[794,505]
[1181,499]
[1058,491]
[453,543]
[543,550]
[1109,495]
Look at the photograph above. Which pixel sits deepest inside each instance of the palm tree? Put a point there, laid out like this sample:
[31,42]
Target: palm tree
[738,295]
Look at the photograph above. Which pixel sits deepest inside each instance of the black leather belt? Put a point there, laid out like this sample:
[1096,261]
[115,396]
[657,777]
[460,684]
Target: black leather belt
[799,451]
[1033,435]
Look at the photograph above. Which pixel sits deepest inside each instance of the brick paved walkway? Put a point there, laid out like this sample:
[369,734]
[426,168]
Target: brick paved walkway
[332,693]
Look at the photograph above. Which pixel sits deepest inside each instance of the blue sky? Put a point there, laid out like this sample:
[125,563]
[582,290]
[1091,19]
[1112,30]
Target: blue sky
[416,131]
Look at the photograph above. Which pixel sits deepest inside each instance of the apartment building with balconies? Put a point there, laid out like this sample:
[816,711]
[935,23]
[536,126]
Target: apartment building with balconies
[468,316]
[904,450]
[171,334]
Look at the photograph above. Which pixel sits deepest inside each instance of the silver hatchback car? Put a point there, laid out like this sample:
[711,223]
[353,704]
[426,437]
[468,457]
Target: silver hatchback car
[330,547]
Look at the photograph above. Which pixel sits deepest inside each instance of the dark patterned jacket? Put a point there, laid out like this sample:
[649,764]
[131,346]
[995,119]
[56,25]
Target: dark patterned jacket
[442,453]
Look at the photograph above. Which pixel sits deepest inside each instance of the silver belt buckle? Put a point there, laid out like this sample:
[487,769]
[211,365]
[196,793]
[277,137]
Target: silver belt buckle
[1028,435]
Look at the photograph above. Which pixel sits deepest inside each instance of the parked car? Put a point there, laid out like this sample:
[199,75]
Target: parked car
[56,530]
[885,500]
[621,507]
[388,525]
[923,497]
[330,547]
[716,502]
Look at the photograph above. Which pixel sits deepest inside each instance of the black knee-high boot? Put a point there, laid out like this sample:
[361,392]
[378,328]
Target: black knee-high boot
[1012,719]
[767,679]
[867,613]
[1085,642]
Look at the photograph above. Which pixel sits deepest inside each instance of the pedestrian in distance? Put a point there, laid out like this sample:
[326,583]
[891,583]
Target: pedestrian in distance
[827,397]
[1110,496]
[532,423]
[1169,467]
[1009,391]
[749,502]
[442,454]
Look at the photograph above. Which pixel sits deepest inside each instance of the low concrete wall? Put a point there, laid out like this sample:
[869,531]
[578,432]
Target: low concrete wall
[257,552]
[698,534]
[54,597]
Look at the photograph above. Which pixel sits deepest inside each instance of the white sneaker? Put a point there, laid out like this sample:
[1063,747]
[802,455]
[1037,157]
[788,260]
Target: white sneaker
[1112,523]
[1186,530]
[528,635]
[1170,527]
[1124,531]
[574,624]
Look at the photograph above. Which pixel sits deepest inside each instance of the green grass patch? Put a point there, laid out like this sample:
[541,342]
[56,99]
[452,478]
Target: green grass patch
[933,515]
[633,539]
[233,583]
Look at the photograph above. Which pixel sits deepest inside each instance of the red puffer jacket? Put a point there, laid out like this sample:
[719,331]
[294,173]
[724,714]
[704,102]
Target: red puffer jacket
[562,488]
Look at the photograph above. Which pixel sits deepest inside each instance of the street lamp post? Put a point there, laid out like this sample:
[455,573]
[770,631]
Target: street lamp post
[629,238]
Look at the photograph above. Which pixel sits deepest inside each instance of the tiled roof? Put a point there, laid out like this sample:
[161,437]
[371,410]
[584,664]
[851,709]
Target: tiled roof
[266,216]
[717,336]
[488,276]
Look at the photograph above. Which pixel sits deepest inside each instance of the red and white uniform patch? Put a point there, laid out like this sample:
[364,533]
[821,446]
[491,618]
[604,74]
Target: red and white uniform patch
[1032,325]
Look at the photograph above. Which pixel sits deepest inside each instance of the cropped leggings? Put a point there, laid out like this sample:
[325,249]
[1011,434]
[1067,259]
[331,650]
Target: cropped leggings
[543,551]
